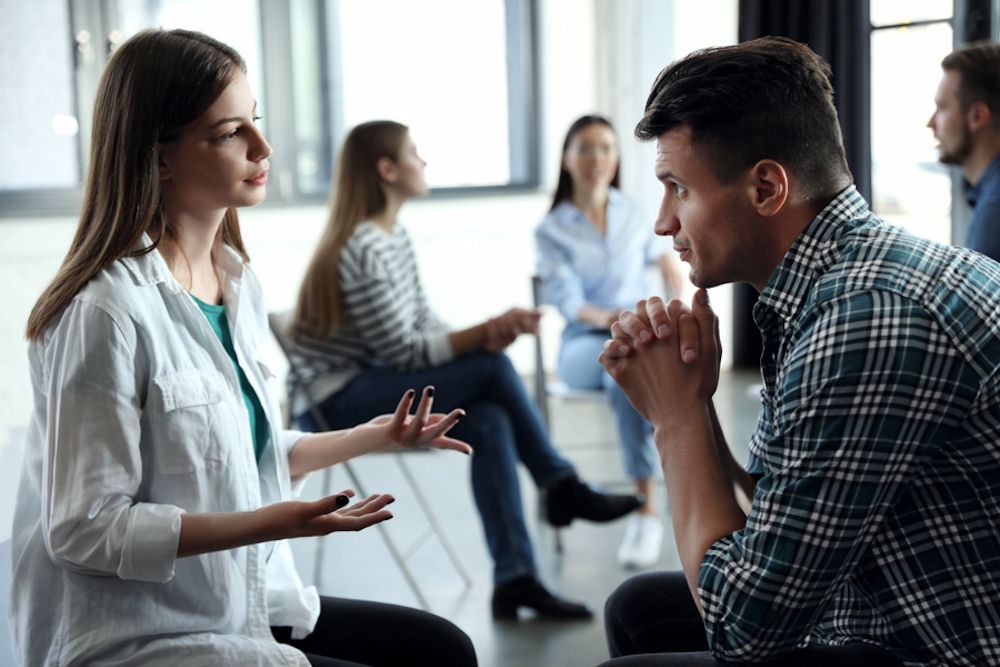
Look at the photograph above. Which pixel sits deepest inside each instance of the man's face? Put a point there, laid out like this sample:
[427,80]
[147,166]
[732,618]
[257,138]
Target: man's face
[949,122]
[711,223]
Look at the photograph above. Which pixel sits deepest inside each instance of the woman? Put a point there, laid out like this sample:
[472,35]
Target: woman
[593,250]
[156,492]
[364,329]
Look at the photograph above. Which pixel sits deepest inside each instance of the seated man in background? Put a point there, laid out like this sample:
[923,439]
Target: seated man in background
[864,529]
[966,123]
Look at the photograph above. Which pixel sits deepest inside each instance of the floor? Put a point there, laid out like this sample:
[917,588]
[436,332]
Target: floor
[359,564]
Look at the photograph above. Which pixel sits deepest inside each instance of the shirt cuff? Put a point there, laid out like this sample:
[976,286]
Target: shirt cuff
[151,540]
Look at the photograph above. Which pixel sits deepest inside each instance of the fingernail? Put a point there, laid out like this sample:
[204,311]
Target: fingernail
[644,336]
[391,501]
[430,391]
[342,500]
[663,331]
[410,393]
[703,297]
[688,354]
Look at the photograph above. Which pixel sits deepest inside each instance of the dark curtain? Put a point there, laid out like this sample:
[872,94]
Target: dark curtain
[838,30]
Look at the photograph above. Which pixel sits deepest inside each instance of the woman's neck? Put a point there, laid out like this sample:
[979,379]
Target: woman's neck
[386,218]
[594,204]
[190,256]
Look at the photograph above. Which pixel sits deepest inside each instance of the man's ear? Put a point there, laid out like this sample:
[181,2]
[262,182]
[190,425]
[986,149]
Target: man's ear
[978,116]
[768,187]
[386,169]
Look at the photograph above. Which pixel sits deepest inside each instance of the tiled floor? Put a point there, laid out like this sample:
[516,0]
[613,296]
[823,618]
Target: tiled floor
[359,565]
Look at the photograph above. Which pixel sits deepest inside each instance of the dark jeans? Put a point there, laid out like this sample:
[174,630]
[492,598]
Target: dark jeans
[501,424]
[373,634]
[652,621]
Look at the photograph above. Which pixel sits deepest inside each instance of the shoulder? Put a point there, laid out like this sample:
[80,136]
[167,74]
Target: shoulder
[370,251]
[558,218]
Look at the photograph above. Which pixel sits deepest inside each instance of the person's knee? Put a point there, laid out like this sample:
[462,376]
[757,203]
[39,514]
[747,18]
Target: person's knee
[484,422]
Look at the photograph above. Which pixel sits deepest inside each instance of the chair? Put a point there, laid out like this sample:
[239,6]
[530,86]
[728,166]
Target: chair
[279,324]
[553,389]
[548,389]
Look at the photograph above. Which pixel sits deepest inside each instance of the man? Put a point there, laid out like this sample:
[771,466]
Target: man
[864,530]
[966,123]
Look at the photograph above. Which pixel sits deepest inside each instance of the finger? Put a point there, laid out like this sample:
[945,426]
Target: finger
[445,442]
[633,327]
[659,319]
[426,401]
[372,503]
[708,322]
[438,425]
[688,335]
[615,349]
[416,424]
[402,411]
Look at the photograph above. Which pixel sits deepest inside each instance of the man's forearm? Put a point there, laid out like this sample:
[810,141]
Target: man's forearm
[700,485]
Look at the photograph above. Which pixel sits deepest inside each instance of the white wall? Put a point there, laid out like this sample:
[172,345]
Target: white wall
[476,254]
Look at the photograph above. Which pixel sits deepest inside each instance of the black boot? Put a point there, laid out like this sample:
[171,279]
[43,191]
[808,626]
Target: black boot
[570,499]
[528,592]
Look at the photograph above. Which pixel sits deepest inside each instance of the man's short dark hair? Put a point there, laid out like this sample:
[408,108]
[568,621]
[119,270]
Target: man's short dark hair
[978,67]
[767,98]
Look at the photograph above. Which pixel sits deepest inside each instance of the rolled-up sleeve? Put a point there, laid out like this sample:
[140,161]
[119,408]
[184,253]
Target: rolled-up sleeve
[91,522]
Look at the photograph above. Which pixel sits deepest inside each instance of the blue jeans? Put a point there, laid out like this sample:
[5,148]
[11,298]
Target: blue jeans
[651,621]
[501,424]
[578,367]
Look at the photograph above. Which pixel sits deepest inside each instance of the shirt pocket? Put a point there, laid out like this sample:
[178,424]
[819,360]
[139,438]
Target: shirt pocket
[198,426]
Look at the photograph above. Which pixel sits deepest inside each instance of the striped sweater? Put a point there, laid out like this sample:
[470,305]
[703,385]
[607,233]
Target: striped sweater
[386,320]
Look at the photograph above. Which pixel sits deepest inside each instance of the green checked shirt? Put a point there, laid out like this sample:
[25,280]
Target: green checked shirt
[876,517]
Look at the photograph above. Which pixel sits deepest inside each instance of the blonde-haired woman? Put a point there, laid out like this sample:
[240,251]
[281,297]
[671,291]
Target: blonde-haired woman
[364,331]
[156,493]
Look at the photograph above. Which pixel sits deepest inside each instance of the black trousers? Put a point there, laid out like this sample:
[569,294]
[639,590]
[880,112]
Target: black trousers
[358,633]
[651,621]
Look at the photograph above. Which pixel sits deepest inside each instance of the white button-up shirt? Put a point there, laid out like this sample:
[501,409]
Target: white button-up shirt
[138,417]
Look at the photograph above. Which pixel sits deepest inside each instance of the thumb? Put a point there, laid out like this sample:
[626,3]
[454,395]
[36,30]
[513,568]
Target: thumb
[708,323]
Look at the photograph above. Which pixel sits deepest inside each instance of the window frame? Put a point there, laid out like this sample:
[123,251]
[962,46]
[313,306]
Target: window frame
[99,17]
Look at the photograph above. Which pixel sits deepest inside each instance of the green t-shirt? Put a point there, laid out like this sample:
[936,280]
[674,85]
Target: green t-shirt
[258,420]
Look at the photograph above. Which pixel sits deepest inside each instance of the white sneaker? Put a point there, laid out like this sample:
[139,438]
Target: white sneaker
[643,538]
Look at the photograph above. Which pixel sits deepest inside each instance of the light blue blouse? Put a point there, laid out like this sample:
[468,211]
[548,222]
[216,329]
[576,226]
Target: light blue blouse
[579,266]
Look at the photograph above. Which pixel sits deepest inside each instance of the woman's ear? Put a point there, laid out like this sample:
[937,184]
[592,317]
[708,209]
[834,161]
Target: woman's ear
[386,170]
[162,163]
[768,187]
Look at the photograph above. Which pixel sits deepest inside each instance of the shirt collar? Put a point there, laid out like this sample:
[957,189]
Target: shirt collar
[150,268]
[567,212]
[972,192]
[809,257]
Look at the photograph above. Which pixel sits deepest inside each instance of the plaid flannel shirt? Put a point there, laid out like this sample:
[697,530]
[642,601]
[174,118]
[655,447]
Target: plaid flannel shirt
[876,517]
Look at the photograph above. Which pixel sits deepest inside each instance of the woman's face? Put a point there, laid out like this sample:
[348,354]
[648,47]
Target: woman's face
[410,170]
[220,160]
[591,158]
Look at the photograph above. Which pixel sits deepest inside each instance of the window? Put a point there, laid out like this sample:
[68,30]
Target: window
[460,74]
[910,188]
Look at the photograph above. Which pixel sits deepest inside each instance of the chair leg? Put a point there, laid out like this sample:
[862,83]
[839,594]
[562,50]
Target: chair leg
[390,544]
[432,519]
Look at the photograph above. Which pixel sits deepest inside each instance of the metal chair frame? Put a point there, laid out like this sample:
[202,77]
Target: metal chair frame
[279,326]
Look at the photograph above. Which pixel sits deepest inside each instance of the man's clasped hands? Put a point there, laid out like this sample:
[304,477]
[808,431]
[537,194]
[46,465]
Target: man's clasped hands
[665,357]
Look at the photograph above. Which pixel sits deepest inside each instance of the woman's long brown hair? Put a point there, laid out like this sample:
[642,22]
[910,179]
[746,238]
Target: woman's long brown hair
[154,85]
[357,196]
